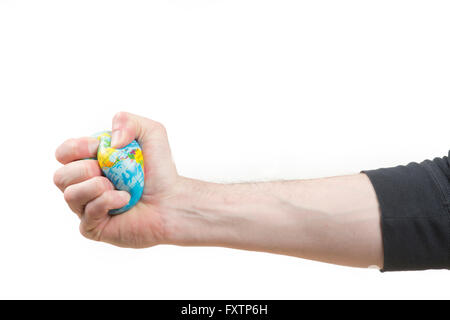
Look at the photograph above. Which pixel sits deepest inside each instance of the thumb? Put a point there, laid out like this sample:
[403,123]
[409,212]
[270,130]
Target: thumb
[152,137]
[127,127]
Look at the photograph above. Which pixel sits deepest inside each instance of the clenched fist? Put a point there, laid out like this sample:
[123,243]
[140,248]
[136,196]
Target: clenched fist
[91,195]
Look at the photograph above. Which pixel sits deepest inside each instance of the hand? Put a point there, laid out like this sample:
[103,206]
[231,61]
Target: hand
[91,195]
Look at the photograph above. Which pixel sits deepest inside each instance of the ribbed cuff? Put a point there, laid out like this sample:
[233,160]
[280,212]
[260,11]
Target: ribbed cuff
[415,218]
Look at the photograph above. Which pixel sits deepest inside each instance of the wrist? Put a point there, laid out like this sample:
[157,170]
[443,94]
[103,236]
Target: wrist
[243,216]
[195,214]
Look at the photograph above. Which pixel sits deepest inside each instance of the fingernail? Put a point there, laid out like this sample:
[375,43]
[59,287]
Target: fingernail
[115,138]
[93,146]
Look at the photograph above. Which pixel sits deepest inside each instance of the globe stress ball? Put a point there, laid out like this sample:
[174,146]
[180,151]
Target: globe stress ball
[124,167]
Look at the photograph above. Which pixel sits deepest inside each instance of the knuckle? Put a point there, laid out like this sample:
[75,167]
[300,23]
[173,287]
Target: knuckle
[93,207]
[101,184]
[58,155]
[89,210]
[160,128]
[71,145]
[105,199]
[67,148]
[120,117]
[58,179]
[89,233]
[84,231]
[70,194]
[90,169]
[60,151]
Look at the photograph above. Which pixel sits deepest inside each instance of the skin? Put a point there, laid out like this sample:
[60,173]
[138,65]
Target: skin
[334,220]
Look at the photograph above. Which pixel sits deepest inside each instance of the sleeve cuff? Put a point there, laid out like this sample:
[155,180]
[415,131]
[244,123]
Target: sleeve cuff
[415,218]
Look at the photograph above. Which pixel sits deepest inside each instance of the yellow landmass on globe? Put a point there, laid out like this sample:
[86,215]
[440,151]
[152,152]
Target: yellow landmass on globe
[103,157]
[138,157]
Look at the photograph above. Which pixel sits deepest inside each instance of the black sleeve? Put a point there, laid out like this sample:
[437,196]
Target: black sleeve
[415,214]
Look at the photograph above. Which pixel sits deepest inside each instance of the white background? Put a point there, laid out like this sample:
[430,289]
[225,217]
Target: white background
[248,90]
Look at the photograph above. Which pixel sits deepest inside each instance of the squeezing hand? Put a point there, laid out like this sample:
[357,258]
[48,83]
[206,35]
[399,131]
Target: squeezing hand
[92,196]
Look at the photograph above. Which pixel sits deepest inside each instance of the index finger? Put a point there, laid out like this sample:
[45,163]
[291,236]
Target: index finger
[77,149]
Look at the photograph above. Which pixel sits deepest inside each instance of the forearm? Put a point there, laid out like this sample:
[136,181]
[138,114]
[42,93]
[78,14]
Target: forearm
[334,220]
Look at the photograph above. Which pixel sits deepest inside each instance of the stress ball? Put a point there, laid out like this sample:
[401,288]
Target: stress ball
[124,167]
